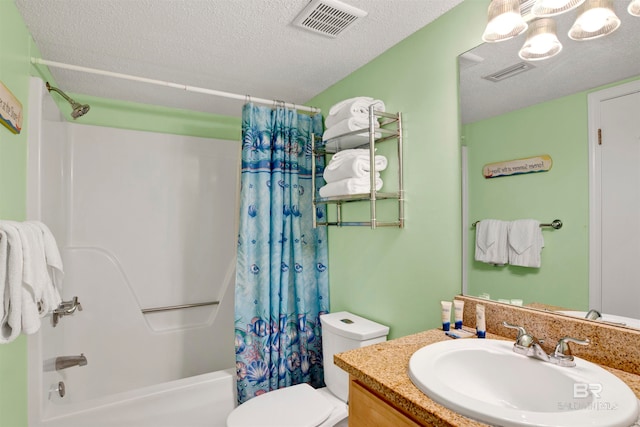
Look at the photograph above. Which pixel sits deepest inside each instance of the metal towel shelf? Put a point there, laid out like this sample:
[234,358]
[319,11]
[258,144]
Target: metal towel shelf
[179,307]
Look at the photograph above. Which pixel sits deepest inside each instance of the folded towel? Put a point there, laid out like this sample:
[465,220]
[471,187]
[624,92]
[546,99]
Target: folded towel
[348,186]
[349,125]
[11,322]
[349,142]
[525,243]
[491,242]
[354,166]
[353,107]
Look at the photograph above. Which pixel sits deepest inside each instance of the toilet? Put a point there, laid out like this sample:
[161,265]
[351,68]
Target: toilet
[302,405]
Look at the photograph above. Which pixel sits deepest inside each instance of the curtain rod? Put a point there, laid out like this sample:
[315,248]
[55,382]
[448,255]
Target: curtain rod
[173,85]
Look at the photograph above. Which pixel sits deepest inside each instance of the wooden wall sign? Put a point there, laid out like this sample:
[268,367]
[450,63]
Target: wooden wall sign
[541,163]
[10,110]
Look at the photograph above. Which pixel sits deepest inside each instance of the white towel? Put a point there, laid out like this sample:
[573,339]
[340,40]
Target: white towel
[357,107]
[11,323]
[525,243]
[32,272]
[52,255]
[349,125]
[348,186]
[4,290]
[491,242]
[355,165]
[348,142]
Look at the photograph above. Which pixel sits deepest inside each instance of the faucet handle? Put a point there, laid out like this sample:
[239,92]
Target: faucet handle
[524,339]
[593,315]
[521,330]
[563,351]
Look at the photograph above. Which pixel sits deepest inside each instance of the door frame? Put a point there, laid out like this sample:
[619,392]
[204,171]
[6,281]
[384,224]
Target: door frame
[595,186]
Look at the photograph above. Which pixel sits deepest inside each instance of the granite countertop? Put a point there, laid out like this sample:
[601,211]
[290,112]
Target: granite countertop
[383,368]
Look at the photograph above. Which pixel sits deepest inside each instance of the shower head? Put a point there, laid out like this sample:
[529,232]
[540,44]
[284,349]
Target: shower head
[78,109]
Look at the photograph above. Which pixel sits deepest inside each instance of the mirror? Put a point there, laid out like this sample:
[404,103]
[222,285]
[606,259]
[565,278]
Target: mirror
[535,111]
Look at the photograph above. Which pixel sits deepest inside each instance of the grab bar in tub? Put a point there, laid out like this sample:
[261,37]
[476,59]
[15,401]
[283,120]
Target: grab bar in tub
[179,307]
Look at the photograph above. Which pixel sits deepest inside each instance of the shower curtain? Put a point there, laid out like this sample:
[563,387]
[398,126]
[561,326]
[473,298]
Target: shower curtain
[282,284]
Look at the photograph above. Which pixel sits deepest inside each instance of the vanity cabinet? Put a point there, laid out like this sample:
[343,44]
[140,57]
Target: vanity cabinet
[368,409]
[390,129]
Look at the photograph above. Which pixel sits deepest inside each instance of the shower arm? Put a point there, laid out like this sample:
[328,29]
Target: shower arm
[73,103]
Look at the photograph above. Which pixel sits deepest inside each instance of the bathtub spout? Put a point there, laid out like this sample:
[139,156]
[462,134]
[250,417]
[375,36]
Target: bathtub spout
[64,362]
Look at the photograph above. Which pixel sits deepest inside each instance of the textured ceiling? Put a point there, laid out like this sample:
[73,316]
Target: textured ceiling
[578,67]
[239,46]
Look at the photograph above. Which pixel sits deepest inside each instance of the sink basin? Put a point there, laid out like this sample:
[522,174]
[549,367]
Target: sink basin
[485,380]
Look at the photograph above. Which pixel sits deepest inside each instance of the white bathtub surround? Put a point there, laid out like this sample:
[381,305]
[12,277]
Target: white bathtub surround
[144,220]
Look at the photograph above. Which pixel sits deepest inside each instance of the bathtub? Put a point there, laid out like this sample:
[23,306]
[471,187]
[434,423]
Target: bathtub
[148,249]
[198,401]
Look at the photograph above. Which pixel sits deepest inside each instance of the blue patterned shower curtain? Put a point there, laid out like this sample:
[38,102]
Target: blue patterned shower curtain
[282,283]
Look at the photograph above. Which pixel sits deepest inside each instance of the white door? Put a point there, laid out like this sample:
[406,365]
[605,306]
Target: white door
[619,161]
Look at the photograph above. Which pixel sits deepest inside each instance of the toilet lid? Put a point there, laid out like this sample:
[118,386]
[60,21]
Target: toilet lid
[297,406]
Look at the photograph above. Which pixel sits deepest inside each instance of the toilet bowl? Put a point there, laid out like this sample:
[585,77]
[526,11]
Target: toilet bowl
[303,406]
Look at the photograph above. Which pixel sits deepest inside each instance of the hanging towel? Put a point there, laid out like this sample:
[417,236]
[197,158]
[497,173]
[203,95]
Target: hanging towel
[349,125]
[52,255]
[491,242]
[32,272]
[354,163]
[357,107]
[35,278]
[348,186]
[11,323]
[4,291]
[525,243]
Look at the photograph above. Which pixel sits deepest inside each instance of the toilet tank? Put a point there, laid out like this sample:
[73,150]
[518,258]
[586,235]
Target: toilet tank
[344,331]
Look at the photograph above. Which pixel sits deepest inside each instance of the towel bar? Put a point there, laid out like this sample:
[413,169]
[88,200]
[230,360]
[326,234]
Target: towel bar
[179,307]
[556,224]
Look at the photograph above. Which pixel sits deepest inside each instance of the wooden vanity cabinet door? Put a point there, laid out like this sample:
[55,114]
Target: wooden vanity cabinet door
[368,410]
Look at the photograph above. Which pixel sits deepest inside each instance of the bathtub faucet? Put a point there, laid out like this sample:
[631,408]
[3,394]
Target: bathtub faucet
[64,362]
[66,308]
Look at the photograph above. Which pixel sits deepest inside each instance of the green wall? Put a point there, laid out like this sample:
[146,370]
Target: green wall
[133,116]
[394,276]
[15,45]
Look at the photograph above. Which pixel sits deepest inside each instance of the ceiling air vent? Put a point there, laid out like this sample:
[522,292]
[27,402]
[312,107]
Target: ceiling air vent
[511,71]
[328,17]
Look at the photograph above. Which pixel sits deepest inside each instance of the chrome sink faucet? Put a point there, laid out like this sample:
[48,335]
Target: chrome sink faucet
[528,345]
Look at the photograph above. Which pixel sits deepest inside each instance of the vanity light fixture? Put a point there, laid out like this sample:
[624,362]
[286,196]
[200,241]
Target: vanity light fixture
[634,8]
[504,21]
[596,18]
[542,42]
[545,8]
